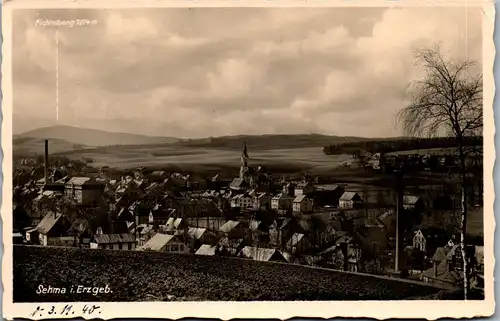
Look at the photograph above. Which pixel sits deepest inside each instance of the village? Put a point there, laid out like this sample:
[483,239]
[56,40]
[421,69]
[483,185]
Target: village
[258,216]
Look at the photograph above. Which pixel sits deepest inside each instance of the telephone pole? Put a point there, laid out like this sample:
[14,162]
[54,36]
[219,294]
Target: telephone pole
[399,210]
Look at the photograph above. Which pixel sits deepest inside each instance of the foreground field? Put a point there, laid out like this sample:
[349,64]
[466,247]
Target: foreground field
[139,276]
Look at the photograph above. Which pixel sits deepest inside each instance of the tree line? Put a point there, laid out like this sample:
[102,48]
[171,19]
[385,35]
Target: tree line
[401,144]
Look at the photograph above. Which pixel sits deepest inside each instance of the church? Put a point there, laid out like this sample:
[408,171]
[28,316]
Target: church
[250,178]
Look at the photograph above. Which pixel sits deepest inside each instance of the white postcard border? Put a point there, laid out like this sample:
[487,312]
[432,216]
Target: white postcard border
[281,310]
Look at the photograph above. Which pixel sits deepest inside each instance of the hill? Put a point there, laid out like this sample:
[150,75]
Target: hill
[156,276]
[28,146]
[94,137]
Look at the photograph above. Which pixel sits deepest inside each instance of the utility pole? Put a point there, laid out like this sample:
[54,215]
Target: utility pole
[399,210]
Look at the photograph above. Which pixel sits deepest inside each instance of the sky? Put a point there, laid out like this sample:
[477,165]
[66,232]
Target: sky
[227,71]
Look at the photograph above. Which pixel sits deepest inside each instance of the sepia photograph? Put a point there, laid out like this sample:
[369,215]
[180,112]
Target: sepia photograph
[166,154]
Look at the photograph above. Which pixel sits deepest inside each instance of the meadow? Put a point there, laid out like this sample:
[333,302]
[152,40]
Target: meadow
[295,159]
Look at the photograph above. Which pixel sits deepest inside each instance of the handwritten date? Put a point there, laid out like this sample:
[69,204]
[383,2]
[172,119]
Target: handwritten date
[65,310]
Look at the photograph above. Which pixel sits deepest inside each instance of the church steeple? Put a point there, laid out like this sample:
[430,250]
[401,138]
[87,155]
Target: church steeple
[244,161]
[244,154]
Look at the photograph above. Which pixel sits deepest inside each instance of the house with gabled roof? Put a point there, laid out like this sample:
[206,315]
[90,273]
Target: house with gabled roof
[176,225]
[262,200]
[235,229]
[52,230]
[350,200]
[428,240]
[206,249]
[81,231]
[125,241]
[261,254]
[303,188]
[85,190]
[242,201]
[444,270]
[282,202]
[165,243]
[298,243]
[411,202]
[282,229]
[196,236]
[302,204]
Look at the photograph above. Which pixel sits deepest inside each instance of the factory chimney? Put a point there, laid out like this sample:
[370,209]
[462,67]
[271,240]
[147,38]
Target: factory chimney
[46,161]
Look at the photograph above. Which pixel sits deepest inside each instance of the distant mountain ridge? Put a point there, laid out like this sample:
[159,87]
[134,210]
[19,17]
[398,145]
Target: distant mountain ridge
[67,138]
[93,137]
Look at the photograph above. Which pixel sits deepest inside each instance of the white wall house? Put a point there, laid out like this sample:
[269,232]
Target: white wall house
[350,200]
[113,241]
[302,204]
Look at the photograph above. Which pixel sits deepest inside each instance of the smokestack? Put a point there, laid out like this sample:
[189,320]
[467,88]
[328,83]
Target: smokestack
[46,161]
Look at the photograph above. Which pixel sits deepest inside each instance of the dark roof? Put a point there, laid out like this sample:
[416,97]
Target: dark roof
[113,238]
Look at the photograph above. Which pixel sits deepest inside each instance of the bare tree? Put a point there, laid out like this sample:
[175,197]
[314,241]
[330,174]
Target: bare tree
[447,100]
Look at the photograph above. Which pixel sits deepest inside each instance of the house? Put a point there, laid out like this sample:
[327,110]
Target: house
[350,200]
[262,201]
[124,241]
[349,254]
[304,188]
[207,249]
[282,201]
[197,236]
[260,232]
[281,230]
[176,226]
[411,202]
[242,201]
[261,254]
[81,232]
[165,243]
[160,216]
[444,270]
[298,243]
[52,230]
[328,195]
[302,204]
[428,240]
[235,229]
[231,246]
[144,233]
[85,190]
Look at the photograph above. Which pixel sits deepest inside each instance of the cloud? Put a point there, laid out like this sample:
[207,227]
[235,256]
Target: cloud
[216,71]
